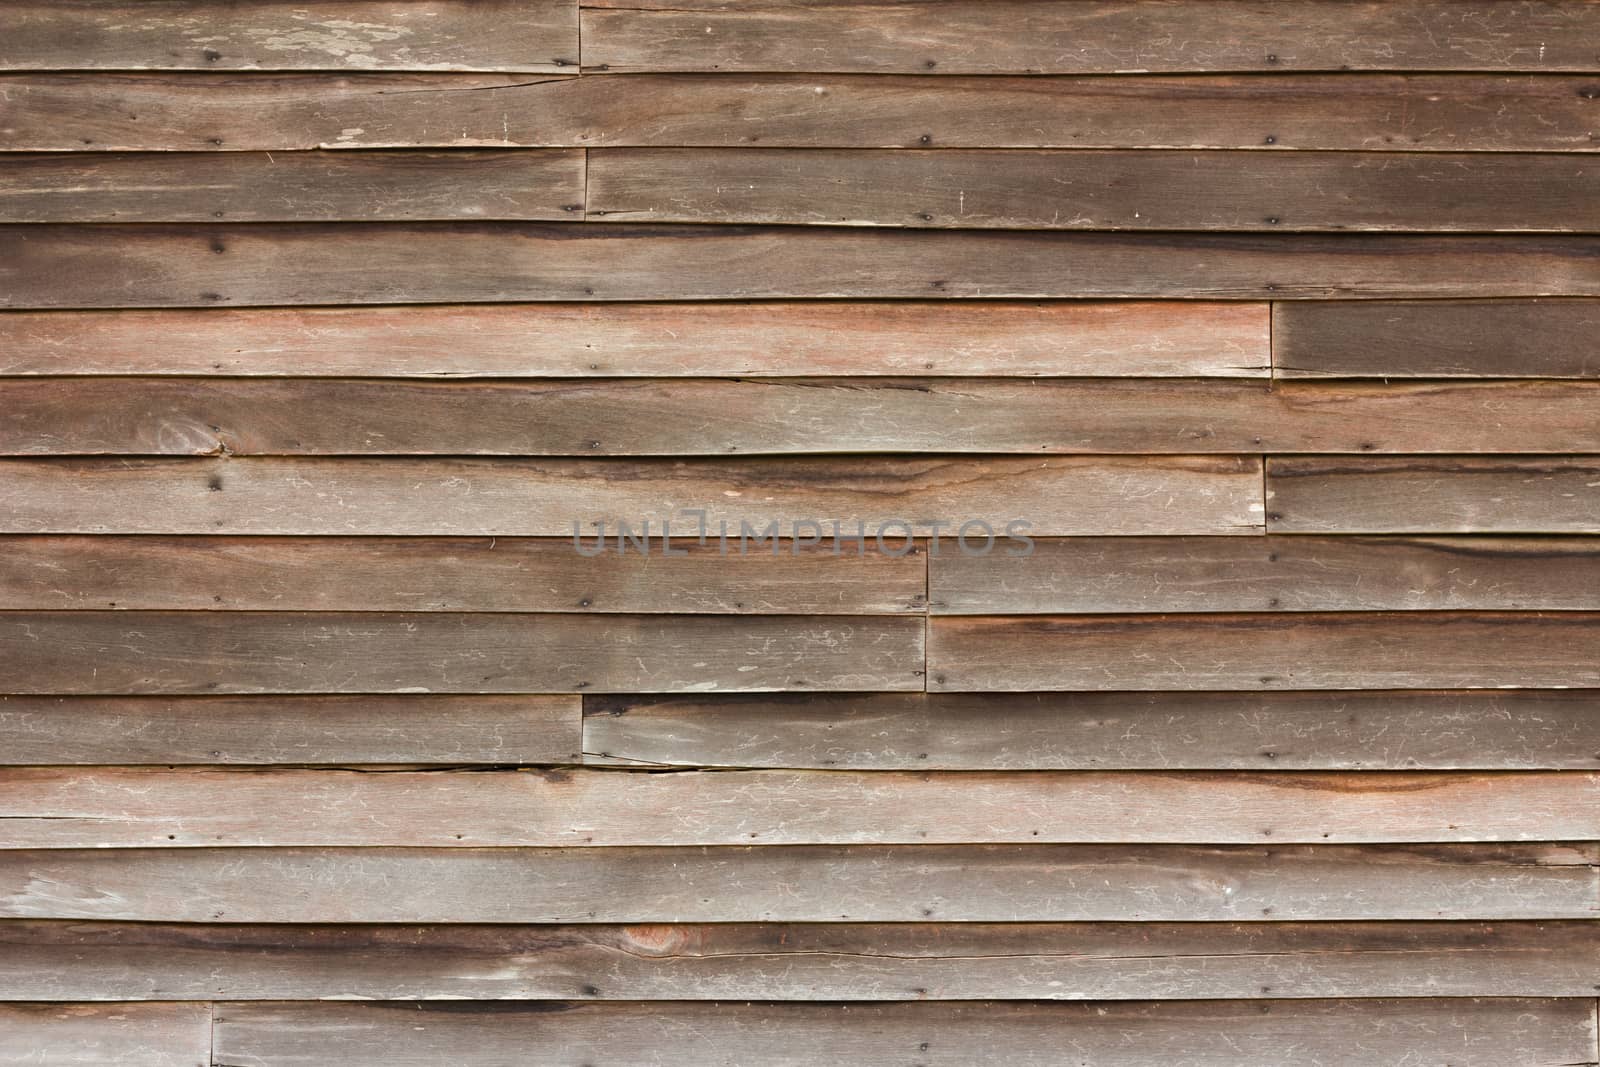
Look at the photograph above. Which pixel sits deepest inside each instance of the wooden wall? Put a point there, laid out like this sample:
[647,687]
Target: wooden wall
[324,322]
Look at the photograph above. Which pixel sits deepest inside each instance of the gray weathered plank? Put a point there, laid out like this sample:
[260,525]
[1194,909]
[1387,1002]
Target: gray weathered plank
[999,339]
[1026,37]
[1275,573]
[315,729]
[1417,650]
[1097,190]
[805,883]
[1525,729]
[106,1035]
[343,35]
[1536,494]
[1057,495]
[292,186]
[68,807]
[211,652]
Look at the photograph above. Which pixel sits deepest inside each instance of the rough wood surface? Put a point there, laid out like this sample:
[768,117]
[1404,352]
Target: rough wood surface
[1379,730]
[997,339]
[436,574]
[554,498]
[803,883]
[1265,651]
[315,729]
[345,35]
[150,265]
[1320,1033]
[1276,573]
[292,186]
[102,1035]
[1425,339]
[1023,37]
[206,652]
[279,112]
[1096,190]
[1541,494]
[136,808]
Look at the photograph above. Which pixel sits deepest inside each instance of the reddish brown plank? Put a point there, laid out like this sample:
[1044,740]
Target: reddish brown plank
[99,1035]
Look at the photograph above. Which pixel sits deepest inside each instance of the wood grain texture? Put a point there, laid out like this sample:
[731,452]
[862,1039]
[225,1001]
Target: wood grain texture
[1265,651]
[1463,1033]
[99,112]
[1097,190]
[208,652]
[315,729]
[292,186]
[150,265]
[346,35]
[1276,573]
[997,339]
[805,883]
[178,416]
[1019,37]
[1526,729]
[138,808]
[99,1035]
[788,962]
[1423,339]
[458,574]
[1536,494]
[554,498]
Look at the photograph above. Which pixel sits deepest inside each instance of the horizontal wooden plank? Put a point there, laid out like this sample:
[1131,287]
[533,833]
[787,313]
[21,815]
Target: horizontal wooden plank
[206,652]
[1023,37]
[1548,494]
[1097,190]
[554,498]
[804,883]
[345,35]
[292,186]
[1277,573]
[176,416]
[316,729]
[1423,339]
[96,1035]
[1379,730]
[279,112]
[53,807]
[999,339]
[834,962]
[1265,651]
[1463,1033]
[149,265]
[457,574]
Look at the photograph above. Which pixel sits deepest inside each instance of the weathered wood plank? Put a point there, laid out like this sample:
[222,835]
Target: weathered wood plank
[175,416]
[316,729]
[804,883]
[788,962]
[50,807]
[554,498]
[292,186]
[1001,339]
[1423,339]
[1023,37]
[433,574]
[1097,190]
[1304,573]
[1525,729]
[279,112]
[209,652]
[1547,494]
[100,1035]
[345,35]
[1265,651]
[1320,1033]
[151,265]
